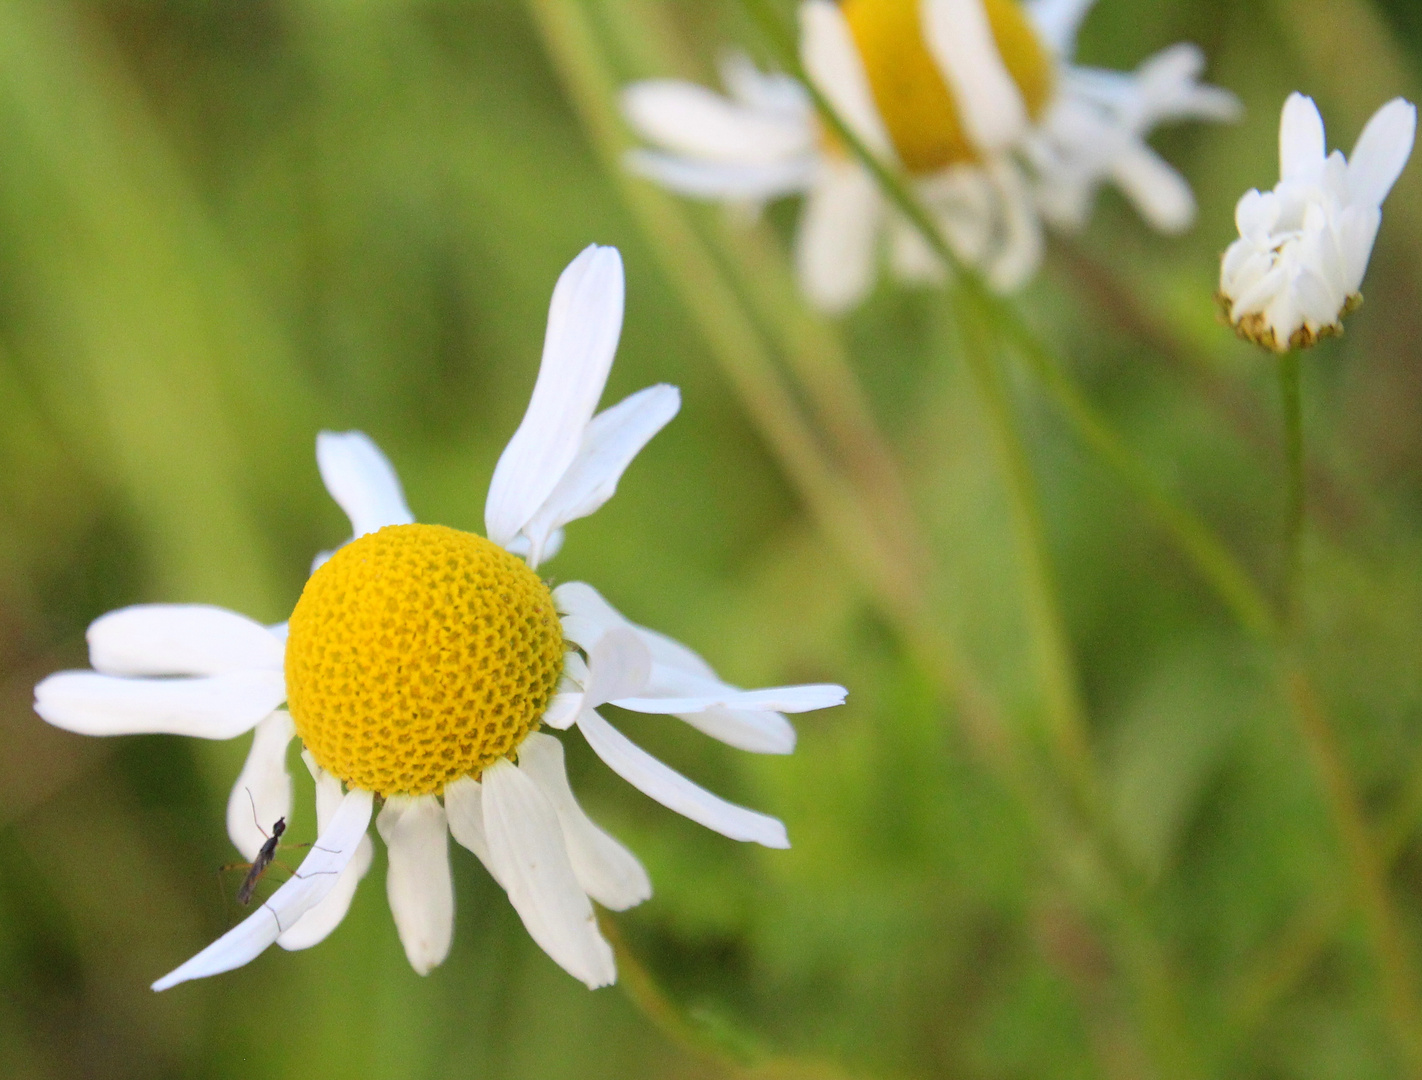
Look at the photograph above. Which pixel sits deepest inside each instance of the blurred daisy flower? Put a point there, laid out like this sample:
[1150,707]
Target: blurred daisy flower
[977,100]
[417,668]
[1303,248]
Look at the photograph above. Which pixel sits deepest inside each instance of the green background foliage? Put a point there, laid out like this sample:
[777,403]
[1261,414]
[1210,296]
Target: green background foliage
[226,224]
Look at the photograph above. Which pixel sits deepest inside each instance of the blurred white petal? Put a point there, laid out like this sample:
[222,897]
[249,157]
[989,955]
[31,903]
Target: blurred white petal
[836,242]
[961,40]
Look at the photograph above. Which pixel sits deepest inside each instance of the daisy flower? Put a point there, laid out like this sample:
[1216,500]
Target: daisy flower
[1303,248]
[419,665]
[976,100]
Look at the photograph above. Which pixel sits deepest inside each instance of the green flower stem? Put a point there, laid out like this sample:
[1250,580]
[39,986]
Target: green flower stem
[1292,401]
[1065,713]
[1366,869]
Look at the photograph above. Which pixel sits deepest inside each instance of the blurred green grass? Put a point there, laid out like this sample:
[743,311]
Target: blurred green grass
[226,224]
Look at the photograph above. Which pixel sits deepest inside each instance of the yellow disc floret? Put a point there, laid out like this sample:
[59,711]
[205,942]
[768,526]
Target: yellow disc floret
[417,655]
[914,101]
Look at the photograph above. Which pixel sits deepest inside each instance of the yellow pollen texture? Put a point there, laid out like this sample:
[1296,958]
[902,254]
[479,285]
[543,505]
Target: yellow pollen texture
[419,654]
[909,90]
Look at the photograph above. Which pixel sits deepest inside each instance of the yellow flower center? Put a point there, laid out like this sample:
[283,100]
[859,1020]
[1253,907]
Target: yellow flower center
[914,101]
[417,655]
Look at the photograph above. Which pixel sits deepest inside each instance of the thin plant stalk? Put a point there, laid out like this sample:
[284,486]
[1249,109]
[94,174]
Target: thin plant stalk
[1292,401]
[1065,713]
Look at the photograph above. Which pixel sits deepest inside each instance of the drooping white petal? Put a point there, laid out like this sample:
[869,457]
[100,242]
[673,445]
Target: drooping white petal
[833,64]
[418,882]
[754,732]
[314,879]
[606,870]
[1157,190]
[563,710]
[584,324]
[1020,251]
[1382,151]
[213,707]
[526,844]
[769,92]
[262,793]
[1057,22]
[1301,145]
[689,119]
[361,480]
[791,699]
[675,791]
[180,639]
[318,923]
[612,440]
[464,805]
[960,38]
[718,180]
[837,238]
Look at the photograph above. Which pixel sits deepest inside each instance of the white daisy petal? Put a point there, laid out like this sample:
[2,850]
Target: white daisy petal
[314,879]
[1157,190]
[689,119]
[791,699]
[606,870]
[837,238]
[766,91]
[316,925]
[215,707]
[584,324]
[832,62]
[526,844]
[719,180]
[1058,21]
[563,710]
[612,440]
[960,38]
[754,732]
[1382,151]
[464,805]
[362,481]
[418,882]
[1301,145]
[262,793]
[180,639]
[619,666]
[675,791]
